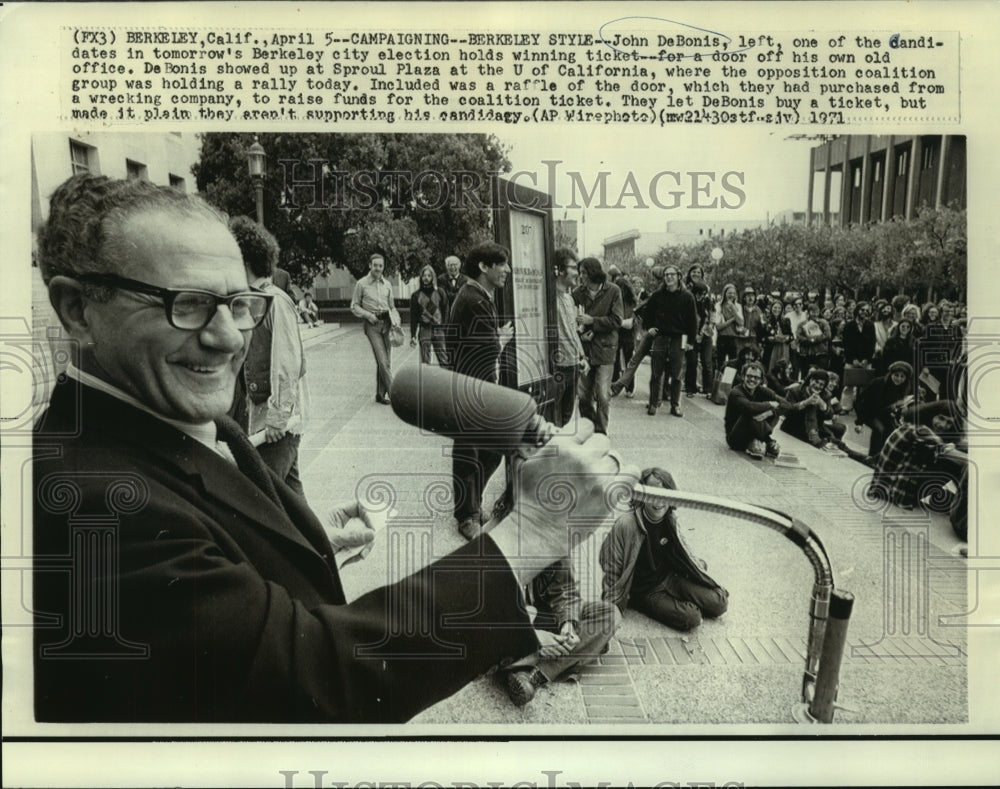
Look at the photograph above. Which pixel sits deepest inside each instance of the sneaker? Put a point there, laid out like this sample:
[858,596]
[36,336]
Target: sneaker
[773,448]
[689,394]
[651,410]
[521,685]
[629,395]
[616,389]
[756,449]
[675,410]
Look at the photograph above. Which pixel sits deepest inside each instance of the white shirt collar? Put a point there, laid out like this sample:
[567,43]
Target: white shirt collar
[203,433]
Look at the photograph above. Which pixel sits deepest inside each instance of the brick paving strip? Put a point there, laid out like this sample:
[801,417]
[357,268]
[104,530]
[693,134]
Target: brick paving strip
[609,695]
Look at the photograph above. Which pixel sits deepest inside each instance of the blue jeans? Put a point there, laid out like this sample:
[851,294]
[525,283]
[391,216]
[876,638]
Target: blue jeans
[702,350]
[378,337]
[681,603]
[432,337]
[595,395]
[564,394]
[666,358]
[283,457]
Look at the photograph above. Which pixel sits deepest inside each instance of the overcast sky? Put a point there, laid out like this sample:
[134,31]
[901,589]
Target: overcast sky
[775,172]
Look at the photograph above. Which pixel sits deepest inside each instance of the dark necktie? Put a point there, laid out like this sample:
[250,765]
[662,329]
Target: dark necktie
[247,458]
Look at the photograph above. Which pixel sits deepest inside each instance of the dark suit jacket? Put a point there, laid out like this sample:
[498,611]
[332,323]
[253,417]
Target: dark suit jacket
[451,289]
[474,345]
[859,343]
[167,587]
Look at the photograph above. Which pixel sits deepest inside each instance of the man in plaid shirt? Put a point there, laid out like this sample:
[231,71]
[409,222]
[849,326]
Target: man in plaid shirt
[908,460]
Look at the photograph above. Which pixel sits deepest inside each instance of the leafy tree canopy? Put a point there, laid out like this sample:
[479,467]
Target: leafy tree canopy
[330,199]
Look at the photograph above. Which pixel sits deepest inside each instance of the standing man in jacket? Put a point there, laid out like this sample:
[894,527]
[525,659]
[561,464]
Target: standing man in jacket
[275,366]
[672,318]
[373,303]
[626,334]
[450,283]
[475,350]
[859,349]
[570,359]
[599,320]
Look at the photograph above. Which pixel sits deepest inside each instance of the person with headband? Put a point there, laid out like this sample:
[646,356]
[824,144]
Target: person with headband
[647,566]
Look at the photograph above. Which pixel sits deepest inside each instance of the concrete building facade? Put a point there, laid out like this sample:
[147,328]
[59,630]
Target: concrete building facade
[162,158]
[869,178]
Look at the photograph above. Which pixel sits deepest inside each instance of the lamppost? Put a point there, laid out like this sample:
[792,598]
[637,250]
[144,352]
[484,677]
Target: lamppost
[255,161]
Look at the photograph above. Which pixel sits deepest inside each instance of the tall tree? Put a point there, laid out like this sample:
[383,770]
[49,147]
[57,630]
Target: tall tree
[331,198]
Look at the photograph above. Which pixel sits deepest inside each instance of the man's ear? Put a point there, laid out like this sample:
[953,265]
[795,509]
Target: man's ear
[67,299]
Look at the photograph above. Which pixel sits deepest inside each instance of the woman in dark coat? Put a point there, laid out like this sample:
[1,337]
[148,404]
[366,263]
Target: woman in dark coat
[777,335]
[900,347]
[877,404]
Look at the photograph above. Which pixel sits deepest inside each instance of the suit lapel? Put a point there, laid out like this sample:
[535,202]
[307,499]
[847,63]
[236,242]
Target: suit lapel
[143,434]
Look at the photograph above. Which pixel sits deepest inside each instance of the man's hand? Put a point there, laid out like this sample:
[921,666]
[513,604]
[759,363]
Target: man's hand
[413,341]
[584,319]
[653,332]
[273,434]
[572,485]
[557,645]
[371,318]
[505,333]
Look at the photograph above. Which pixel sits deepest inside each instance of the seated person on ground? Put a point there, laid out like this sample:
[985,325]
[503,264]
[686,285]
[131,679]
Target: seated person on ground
[779,379]
[308,310]
[811,407]
[747,353]
[752,412]
[920,457]
[877,404]
[647,566]
[571,632]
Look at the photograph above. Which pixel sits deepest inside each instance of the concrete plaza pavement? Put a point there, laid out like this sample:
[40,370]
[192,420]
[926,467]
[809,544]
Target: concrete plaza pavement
[906,660]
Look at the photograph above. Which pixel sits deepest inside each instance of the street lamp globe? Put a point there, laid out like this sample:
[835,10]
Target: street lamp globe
[650,262]
[717,254]
[255,159]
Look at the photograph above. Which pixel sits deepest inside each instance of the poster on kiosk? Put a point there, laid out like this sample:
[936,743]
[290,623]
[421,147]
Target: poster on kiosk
[522,222]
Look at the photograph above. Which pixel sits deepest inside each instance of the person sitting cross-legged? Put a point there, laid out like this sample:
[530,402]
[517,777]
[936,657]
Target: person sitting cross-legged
[571,632]
[811,407]
[752,412]
[647,566]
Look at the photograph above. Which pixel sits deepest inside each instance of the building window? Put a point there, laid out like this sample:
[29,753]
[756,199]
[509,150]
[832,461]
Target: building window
[79,156]
[928,158]
[877,174]
[902,160]
[177,183]
[856,177]
[136,171]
